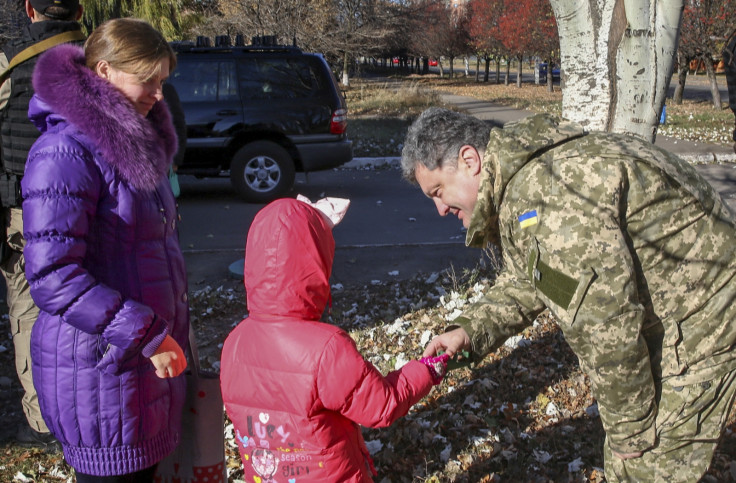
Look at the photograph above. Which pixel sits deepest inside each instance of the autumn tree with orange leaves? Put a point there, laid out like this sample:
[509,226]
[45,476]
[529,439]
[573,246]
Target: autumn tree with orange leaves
[516,32]
[705,26]
[485,33]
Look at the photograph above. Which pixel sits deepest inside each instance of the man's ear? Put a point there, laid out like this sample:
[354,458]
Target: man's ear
[30,13]
[471,159]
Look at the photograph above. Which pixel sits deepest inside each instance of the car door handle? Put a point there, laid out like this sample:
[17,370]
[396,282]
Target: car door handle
[227,112]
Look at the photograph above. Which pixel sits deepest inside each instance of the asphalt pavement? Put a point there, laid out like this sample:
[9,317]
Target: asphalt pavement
[391,231]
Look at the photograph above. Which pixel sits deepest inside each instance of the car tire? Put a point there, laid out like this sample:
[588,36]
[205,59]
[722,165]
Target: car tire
[262,171]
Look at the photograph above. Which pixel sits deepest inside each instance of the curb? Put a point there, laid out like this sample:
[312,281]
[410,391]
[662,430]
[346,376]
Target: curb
[361,163]
[709,158]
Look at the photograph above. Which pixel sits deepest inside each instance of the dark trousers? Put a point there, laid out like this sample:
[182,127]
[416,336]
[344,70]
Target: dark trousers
[143,476]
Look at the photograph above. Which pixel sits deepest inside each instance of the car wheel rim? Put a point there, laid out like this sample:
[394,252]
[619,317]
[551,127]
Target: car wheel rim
[262,174]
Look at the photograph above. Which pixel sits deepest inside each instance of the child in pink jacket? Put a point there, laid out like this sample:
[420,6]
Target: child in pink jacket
[297,389]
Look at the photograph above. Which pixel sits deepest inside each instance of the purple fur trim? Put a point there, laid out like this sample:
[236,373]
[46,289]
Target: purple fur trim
[139,149]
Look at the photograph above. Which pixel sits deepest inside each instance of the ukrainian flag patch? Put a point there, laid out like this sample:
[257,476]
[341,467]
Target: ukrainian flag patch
[528,219]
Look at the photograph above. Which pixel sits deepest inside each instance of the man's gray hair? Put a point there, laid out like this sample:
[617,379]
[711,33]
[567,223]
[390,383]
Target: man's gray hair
[434,139]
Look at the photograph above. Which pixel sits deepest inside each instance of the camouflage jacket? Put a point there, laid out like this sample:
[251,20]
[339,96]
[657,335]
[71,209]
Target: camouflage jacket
[629,248]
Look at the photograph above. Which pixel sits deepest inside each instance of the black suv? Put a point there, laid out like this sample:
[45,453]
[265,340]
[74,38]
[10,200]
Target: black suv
[260,113]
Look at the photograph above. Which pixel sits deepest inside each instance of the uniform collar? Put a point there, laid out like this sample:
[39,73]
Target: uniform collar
[483,227]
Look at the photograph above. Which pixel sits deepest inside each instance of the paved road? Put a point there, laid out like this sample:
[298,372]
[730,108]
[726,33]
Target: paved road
[390,227]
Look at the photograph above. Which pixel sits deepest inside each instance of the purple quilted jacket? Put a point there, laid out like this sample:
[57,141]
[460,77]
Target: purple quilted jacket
[105,268]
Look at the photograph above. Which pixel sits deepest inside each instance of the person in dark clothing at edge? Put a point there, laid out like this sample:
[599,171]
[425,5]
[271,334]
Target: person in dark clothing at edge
[49,18]
[171,97]
[180,124]
[729,61]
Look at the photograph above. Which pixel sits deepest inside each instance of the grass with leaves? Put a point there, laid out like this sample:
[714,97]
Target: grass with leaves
[381,112]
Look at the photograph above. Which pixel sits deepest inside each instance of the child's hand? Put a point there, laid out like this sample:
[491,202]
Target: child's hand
[437,367]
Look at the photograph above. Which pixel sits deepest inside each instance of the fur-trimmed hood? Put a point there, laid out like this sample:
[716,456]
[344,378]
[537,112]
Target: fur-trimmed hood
[140,149]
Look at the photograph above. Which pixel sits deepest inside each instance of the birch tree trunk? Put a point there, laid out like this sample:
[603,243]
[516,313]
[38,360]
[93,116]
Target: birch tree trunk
[346,69]
[617,60]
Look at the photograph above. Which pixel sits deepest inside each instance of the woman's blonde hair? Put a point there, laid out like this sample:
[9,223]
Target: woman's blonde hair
[130,45]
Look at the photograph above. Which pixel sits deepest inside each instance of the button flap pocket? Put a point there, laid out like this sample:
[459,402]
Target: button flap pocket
[562,284]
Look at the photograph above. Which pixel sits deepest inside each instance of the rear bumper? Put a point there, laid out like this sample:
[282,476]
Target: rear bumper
[319,156]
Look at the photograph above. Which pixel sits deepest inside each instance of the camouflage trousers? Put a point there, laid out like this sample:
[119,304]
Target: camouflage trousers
[22,313]
[690,421]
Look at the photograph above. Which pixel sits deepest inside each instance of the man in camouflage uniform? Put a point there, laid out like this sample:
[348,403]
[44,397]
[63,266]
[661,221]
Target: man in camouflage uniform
[629,248]
[48,18]
[729,62]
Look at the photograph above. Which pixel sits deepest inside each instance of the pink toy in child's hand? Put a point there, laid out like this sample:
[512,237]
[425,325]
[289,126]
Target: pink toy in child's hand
[437,367]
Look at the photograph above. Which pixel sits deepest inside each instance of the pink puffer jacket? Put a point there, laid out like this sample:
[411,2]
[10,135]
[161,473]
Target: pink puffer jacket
[295,388]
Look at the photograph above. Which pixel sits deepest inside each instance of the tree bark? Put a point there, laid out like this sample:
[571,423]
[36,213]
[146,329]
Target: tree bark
[683,67]
[518,71]
[617,60]
[346,69]
[714,91]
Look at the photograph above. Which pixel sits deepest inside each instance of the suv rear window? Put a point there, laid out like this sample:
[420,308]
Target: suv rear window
[277,78]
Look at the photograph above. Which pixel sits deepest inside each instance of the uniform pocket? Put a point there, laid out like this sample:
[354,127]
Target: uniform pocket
[561,284]
[674,357]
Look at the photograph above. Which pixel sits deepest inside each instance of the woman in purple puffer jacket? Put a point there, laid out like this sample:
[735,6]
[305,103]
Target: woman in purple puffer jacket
[102,253]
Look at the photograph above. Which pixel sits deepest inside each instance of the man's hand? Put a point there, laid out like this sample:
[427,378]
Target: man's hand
[628,456]
[450,342]
[169,359]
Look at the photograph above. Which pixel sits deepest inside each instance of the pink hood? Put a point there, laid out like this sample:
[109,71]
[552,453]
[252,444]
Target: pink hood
[291,279]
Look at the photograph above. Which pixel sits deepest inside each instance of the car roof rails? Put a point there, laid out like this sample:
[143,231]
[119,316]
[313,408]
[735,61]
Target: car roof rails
[182,44]
[222,41]
[265,41]
[259,43]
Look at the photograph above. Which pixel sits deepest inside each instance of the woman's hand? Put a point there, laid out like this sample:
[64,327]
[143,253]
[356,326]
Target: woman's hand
[169,359]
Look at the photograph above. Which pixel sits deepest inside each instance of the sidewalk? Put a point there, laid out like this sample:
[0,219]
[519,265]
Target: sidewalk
[500,115]
[716,163]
